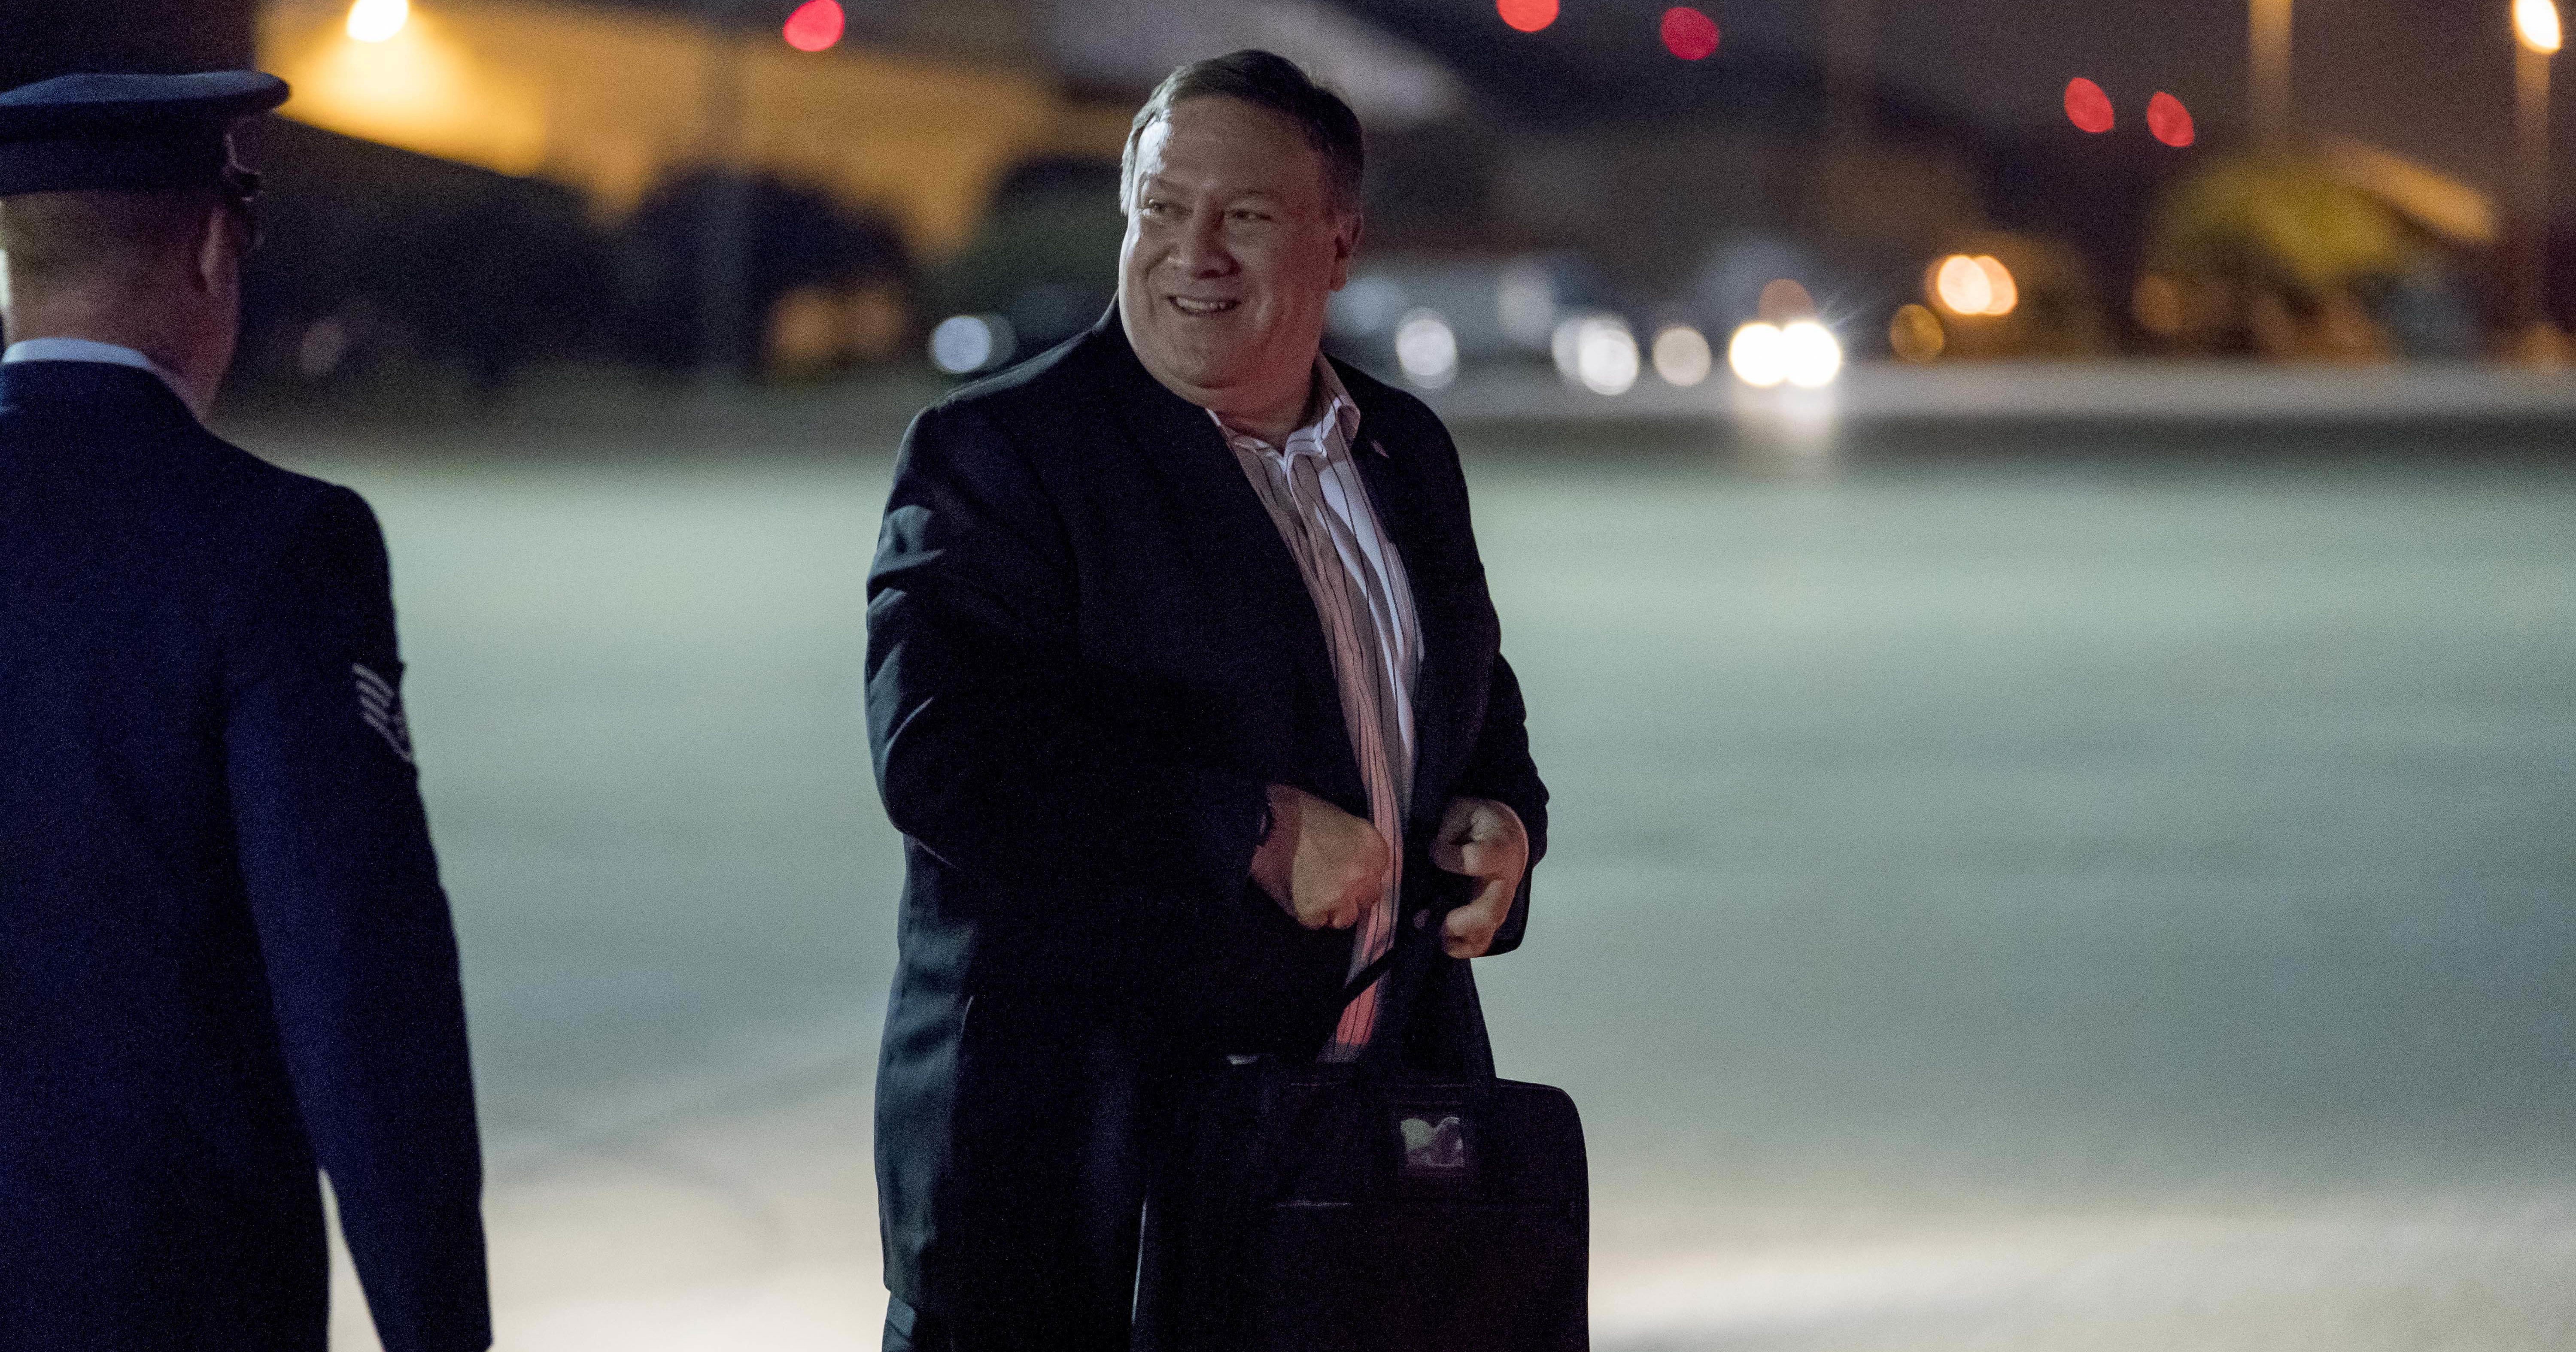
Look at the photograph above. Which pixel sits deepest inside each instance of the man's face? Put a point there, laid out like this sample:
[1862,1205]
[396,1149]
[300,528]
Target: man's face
[1233,245]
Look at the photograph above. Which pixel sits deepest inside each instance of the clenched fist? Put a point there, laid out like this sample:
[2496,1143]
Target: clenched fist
[1484,840]
[1321,864]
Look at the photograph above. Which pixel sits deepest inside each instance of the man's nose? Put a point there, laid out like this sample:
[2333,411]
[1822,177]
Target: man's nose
[1201,251]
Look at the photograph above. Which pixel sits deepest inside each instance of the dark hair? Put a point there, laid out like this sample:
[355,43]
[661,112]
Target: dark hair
[1264,80]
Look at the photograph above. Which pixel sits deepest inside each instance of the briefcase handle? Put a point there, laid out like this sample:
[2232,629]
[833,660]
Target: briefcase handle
[1411,966]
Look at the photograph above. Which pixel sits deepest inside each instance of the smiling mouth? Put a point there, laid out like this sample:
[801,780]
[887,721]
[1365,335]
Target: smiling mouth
[1201,308]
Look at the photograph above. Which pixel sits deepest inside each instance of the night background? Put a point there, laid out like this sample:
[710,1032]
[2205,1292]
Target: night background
[2055,648]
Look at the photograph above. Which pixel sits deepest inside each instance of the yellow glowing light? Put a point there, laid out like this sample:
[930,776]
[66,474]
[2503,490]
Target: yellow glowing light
[1999,284]
[378,20]
[1974,286]
[1810,355]
[1682,356]
[421,89]
[1962,287]
[2536,23]
[1757,355]
[1916,334]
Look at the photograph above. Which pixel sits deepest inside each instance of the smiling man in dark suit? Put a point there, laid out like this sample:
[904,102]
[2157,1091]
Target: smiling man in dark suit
[225,958]
[1185,691]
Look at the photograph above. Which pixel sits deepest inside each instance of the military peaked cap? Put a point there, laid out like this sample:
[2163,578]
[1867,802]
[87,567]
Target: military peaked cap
[127,133]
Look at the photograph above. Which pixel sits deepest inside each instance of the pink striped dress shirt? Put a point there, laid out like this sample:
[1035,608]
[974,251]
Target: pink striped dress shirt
[1314,493]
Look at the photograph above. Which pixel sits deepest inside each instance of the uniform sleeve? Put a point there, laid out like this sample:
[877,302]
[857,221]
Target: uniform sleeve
[354,929]
[995,748]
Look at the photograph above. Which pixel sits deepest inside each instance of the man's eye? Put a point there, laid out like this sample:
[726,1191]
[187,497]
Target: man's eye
[1247,214]
[1155,206]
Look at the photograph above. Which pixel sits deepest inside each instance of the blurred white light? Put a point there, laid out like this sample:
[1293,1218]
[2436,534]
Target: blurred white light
[1809,355]
[964,343]
[378,20]
[1561,346]
[2002,291]
[2536,23]
[1525,304]
[1426,349]
[1974,286]
[1964,286]
[1597,352]
[1368,305]
[326,343]
[1758,354]
[1682,356]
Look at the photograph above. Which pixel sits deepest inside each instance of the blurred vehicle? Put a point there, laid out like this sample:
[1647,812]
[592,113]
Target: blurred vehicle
[1423,319]
[2003,295]
[2344,253]
[381,263]
[1774,308]
[820,288]
[1044,263]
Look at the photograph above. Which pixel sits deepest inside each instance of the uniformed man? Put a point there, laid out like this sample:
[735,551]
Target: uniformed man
[224,956]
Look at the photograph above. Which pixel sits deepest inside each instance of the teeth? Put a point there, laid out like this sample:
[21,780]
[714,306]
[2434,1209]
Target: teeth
[1201,307]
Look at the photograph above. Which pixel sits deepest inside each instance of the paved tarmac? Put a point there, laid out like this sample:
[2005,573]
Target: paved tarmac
[2033,903]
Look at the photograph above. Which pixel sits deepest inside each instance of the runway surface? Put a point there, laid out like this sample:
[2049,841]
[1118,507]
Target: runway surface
[2046,903]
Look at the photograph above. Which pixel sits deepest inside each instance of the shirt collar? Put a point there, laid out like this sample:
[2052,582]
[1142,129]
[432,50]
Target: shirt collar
[83,349]
[1341,413]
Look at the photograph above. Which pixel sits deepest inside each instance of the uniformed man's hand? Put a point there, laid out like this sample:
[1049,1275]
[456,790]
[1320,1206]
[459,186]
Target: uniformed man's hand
[1484,840]
[1321,864]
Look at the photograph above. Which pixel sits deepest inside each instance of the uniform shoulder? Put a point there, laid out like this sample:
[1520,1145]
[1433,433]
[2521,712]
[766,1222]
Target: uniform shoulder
[273,492]
[256,512]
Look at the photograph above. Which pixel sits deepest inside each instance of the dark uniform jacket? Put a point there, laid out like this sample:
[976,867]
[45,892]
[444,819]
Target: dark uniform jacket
[1089,653]
[224,955]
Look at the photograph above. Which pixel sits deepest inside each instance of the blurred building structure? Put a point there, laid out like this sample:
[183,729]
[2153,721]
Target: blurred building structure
[809,209]
[613,102]
[1393,83]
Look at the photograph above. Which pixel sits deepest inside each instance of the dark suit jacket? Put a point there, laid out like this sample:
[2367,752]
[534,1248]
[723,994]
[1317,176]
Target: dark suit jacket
[224,954]
[1089,653]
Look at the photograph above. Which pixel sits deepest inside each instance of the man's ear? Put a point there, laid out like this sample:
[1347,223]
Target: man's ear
[1346,245]
[218,250]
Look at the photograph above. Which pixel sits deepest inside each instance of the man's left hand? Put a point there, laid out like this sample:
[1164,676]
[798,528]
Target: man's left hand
[1484,840]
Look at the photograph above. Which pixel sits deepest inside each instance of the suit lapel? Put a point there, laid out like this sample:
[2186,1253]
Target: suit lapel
[1230,533]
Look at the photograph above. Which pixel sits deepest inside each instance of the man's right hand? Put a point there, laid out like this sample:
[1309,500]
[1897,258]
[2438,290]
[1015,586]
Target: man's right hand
[1321,864]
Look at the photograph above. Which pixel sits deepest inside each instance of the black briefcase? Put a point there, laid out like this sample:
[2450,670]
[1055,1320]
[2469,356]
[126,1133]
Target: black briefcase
[1372,1207]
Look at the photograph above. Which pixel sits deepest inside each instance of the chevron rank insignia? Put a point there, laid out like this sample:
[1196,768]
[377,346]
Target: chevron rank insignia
[381,705]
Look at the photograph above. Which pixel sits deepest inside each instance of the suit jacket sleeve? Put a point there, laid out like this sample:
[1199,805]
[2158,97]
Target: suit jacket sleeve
[1500,768]
[353,927]
[997,748]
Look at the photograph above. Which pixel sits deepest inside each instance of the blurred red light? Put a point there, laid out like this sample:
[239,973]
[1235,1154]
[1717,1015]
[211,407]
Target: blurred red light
[2088,107]
[815,25]
[2169,120]
[1689,34]
[1528,16]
